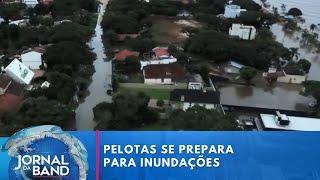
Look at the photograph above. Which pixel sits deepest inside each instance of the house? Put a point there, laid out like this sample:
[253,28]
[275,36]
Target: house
[30,3]
[5,82]
[232,11]
[160,56]
[195,82]
[163,73]
[32,58]
[187,98]
[122,55]
[233,67]
[243,32]
[46,2]
[282,122]
[19,72]
[289,74]
[20,23]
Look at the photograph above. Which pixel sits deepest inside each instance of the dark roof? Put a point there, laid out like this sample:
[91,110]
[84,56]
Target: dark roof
[157,71]
[195,96]
[293,70]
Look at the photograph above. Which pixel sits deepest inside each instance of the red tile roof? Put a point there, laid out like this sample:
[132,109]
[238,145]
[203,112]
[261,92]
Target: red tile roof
[157,71]
[122,55]
[161,51]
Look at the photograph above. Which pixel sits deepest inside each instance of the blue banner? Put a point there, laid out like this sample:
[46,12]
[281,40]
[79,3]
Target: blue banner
[162,155]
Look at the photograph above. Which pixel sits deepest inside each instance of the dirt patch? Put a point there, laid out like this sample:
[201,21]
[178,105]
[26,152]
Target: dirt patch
[168,30]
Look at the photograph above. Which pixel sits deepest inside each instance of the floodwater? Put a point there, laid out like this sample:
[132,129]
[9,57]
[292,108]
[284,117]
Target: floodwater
[293,40]
[101,80]
[310,10]
[280,97]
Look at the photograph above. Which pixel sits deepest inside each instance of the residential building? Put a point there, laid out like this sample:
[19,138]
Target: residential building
[160,55]
[282,122]
[32,58]
[232,11]
[233,67]
[30,3]
[163,74]
[289,74]
[195,82]
[122,55]
[19,72]
[187,98]
[243,32]
[46,2]
[20,23]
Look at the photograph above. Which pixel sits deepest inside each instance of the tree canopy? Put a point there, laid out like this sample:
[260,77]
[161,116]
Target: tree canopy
[37,111]
[127,111]
[248,73]
[67,53]
[201,119]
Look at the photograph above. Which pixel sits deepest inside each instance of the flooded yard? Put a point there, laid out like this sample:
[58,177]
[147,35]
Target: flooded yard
[285,97]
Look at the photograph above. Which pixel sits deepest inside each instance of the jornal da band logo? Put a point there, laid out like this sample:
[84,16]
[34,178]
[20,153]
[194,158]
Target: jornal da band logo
[44,166]
[46,152]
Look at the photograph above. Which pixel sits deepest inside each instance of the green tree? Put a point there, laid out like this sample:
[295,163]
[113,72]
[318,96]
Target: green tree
[305,65]
[248,73]
[127,111]
[67,53]
[201,119]
[37,111]
[312,88]
[62,87]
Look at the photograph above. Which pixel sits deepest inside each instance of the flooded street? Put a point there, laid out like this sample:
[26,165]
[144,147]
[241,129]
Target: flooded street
[101,80]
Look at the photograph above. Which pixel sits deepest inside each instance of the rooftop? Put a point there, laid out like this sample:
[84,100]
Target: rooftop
[195,96]
[157,71]
[20,71]
[122,55]
[296,123]
[161,51]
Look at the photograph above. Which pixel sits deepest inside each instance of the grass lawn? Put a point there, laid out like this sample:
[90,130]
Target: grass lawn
[162,94]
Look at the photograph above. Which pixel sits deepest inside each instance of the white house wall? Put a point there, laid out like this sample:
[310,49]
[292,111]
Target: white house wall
[158,81]
[160,61]
[187,105]
[294,79]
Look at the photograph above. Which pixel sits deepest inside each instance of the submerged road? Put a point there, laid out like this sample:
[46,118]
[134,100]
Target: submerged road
[101,79]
